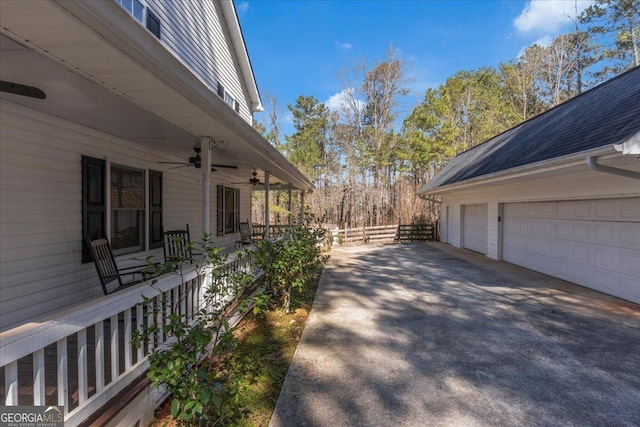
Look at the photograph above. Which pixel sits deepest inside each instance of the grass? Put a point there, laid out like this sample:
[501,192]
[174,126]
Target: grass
[266,345]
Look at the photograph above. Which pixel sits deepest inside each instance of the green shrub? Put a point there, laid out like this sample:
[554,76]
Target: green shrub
[288,263]
[198,396]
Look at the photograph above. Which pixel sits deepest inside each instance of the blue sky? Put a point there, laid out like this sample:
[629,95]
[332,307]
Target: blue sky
[297,47]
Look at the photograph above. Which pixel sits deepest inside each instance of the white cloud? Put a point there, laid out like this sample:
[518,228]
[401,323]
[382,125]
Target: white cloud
[544,41]
[548,16]
[339,101]
[243,7]
[344,46]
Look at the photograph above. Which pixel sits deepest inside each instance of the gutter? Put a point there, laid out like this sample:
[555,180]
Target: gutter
[569,160]
[592,162]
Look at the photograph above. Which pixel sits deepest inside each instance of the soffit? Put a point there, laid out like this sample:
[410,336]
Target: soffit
[110,73]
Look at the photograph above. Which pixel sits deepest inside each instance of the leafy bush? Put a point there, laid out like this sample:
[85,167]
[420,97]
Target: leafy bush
[198,396]
[289,262]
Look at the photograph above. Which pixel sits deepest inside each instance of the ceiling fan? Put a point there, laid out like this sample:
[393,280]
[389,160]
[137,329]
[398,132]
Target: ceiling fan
[254,180]
[196,161]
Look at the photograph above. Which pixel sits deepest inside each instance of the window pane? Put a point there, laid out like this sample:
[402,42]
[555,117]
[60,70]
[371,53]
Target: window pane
[126,230]
[127,188]
[137,10]
[127,209]
[127,5]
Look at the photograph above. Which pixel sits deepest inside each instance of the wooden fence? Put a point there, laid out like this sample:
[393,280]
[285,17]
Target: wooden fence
[384,233]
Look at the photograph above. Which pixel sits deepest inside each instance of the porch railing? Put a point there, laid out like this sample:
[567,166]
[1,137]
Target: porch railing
[84,357]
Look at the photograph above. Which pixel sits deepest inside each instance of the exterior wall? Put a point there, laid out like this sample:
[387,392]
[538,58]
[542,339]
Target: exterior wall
[196,32]
[584,185]
[40,214]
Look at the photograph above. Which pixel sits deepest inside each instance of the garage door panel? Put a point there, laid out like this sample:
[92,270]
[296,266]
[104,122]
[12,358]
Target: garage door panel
[582,210]
[630,261]
[475,227]
[605,258]
[594,243]
[582,254]
[562,249]
[605,210]
[606,233]
[630,287]
[582,231]
[630,210]
[630,234]
[563,230]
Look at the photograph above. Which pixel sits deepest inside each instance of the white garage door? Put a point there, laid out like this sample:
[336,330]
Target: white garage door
[474,228]
[594,243]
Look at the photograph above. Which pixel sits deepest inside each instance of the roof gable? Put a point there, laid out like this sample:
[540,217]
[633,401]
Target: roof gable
[607,114]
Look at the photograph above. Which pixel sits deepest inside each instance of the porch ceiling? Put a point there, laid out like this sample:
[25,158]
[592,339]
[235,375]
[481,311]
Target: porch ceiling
[99,67]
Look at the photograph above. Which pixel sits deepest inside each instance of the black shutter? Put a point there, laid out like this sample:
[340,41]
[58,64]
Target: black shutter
[153,24]
[94,214]
[220,209]
[155,207]
[237,219]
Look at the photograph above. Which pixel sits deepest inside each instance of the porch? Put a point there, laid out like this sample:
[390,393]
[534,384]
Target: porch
[83,357]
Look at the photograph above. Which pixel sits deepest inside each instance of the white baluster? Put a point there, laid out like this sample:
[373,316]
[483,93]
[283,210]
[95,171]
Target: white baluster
[83,387]
[38,377]
[114,348]
[63,378]
[11,383]
[127,339]
[99,327]
[139,320]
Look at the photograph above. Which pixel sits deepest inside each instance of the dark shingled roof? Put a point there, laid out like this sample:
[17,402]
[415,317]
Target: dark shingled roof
[607,114]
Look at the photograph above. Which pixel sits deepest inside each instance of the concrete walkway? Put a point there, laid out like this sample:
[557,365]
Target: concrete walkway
[430,335]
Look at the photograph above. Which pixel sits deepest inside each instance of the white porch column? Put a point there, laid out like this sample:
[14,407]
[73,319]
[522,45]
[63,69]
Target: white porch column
[302,206]
[267,175]
[289,208]
[205,149]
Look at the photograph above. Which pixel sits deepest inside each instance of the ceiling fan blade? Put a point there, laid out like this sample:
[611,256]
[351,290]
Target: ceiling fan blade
[181,166]
[24,90]
[174,163]
[224,166]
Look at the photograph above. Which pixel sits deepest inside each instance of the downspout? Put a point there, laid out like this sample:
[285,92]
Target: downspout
[592,162]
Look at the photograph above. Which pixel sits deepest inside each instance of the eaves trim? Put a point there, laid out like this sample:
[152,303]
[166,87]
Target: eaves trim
[573,159]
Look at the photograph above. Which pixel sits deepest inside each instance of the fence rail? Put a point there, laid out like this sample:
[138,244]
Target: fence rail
[384,233]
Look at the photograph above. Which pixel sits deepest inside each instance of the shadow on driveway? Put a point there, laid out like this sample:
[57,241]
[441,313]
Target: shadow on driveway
[426,334]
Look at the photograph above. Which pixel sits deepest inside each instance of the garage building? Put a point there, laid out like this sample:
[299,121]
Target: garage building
[558,194]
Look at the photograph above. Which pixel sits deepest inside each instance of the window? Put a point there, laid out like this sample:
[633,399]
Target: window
[138,9]
[127,209]
[128,214]
[153,24]
[230,100]
[134,7]
[228,203]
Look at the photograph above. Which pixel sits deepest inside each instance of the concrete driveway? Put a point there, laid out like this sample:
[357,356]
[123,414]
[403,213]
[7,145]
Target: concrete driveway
[430,335]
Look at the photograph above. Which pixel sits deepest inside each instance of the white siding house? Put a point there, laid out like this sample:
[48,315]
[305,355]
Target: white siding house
[558,194]
[110,99]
